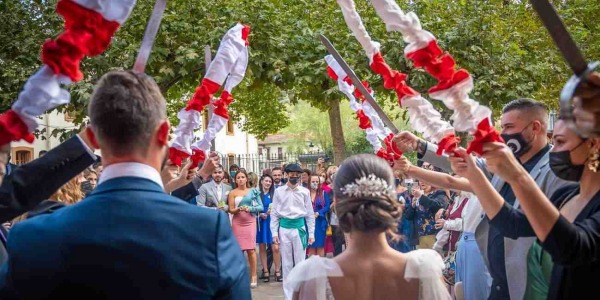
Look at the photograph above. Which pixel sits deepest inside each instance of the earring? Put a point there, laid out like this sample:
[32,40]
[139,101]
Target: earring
[594,159]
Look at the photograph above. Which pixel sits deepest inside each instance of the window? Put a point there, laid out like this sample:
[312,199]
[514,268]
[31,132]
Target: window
[69,116]
[268,152]
[279,152]
[22,155]
[230,127]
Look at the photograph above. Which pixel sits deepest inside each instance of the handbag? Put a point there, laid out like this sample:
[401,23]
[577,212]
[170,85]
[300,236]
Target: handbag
[328,232]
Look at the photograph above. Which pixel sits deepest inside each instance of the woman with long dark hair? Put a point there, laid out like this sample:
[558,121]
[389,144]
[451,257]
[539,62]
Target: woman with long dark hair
[264,238]
[320,202]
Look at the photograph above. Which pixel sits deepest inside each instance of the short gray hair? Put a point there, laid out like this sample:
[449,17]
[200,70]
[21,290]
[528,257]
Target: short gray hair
[125,109]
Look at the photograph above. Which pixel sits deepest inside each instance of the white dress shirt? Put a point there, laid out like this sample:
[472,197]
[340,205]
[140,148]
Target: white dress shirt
[130,169]
[219,188]
[292,204]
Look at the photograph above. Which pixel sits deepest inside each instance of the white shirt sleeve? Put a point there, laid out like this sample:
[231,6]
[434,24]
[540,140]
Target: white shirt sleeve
[310,216]
[454,225]
[275,214]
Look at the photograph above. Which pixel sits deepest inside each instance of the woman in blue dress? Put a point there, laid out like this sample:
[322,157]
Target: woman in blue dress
[269,252]
[320,202]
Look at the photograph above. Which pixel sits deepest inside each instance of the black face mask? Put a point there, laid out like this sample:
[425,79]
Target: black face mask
[563,167]
[293,180]
[517,143]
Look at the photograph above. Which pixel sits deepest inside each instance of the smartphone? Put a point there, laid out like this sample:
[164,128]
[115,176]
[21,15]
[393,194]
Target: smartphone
[409,184]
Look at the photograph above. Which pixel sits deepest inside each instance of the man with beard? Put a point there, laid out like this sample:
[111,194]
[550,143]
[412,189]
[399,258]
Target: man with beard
[214,193]
[277,177]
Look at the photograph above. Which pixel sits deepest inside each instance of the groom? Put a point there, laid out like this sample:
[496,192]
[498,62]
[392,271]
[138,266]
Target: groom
[291,213]
[128,239]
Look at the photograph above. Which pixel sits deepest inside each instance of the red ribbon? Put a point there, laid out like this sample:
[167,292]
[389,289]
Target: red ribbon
[12,128]
[86,33]
[203,95]
[363,121]
[222,104]
[392,79]
[441,66]
[392,149]
[358,94]
[448,144]
[332,73]
[198,156]
[177,156]
[485,133]
[245,33]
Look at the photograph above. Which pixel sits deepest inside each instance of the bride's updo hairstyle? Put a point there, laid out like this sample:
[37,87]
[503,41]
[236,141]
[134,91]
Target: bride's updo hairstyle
[365,195]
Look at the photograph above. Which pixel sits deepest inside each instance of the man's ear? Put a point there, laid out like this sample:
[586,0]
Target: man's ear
[162,134]
[92,137]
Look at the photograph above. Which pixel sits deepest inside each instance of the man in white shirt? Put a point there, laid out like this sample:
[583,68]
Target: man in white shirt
[292,210]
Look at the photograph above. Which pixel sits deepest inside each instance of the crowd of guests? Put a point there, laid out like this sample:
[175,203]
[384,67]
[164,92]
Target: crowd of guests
[248,200]
[519,222]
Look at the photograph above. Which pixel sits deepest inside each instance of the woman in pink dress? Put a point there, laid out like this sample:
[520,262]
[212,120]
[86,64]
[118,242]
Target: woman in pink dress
[244,204]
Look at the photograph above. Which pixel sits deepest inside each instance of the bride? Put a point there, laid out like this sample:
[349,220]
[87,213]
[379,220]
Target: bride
[369,268]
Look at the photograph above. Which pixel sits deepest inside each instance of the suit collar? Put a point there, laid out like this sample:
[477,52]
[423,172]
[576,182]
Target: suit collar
[127,183]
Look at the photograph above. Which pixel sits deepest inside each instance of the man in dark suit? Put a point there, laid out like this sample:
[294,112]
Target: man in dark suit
[128,239]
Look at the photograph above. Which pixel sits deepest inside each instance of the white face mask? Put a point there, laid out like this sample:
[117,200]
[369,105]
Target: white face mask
[314,186]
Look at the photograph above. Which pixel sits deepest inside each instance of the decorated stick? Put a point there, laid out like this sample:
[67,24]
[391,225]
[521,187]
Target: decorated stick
[89,28]
[391,152]
[423,117]
[454,85]
[230,61]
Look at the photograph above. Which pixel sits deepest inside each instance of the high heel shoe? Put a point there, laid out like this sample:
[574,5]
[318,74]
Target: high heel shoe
[265,274]
[253,282]
[278,277]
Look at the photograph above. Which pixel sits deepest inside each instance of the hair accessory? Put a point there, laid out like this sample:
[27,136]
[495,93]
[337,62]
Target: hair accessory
[367,186]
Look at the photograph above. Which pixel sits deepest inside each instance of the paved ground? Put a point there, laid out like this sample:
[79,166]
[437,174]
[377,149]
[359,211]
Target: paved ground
[268,291]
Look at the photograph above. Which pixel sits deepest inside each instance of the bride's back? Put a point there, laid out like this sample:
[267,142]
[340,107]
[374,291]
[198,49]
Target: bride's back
[369,269]
[376,276]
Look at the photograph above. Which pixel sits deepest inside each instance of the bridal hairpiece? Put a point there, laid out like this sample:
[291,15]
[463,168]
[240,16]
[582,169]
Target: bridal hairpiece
[367,186]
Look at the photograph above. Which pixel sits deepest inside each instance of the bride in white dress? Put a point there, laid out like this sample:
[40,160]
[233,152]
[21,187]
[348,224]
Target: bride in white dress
[369,268]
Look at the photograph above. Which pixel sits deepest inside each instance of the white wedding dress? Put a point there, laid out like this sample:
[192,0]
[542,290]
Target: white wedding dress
[311,275]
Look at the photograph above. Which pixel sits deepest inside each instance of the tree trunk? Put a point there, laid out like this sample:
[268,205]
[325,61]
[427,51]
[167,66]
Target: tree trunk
[337,132]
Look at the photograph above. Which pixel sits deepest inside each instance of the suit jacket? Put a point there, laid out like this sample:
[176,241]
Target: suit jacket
[31,183]
[515,250]
[127,240]
[188,192]
[207,194]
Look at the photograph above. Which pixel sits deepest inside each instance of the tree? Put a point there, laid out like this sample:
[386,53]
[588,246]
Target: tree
[502,43]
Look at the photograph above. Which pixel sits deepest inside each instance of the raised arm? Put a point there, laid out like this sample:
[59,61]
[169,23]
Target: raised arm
[438,179]
[31,183]
[258,206]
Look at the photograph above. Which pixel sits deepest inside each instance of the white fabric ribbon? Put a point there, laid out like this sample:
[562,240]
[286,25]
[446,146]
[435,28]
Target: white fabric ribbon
[468,113]
[42,92]
[189,120]
[111,10]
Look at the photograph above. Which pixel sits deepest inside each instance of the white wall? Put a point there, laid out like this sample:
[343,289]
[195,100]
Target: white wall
[50,121]
[238,143]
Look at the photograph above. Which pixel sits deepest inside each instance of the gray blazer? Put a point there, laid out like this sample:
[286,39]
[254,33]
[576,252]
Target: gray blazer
[207,194]
[515,251]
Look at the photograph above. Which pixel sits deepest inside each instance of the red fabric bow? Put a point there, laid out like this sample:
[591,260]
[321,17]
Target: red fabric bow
[448,144]
[86,33]
[177,156]
[245,33]
[485,133]
[198,156]
[222,104]
[363,121]
[392,79]
[203,95]
[358,94]
[392,149]
[12,128]
[332,73]
[441,66]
